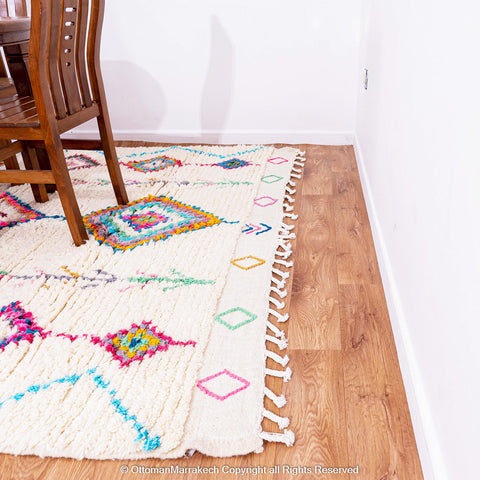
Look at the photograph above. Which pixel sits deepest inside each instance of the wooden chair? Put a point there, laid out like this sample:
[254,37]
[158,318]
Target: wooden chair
[67,91]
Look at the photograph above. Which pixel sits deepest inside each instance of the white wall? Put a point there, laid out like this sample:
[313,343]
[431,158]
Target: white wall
[234,71]
[418,130]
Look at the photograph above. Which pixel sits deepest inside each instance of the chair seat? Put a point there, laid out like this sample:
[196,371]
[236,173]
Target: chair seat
[18,112]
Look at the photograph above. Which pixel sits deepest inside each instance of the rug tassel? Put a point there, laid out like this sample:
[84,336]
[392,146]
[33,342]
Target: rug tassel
[283,262]
[287,207]
[283,255]
[296,175]
[290,199]
[287,237]
[280,293]
[278,283]
[286,226]
[285,246]
[283,361]
[291,191]
[279,401]
[277,303]
[297,170]
[282,343]
[276,331]
[280,318]
[282,422]
[293,216]
[287,437]
[292,183]
[285,374]
[278,272]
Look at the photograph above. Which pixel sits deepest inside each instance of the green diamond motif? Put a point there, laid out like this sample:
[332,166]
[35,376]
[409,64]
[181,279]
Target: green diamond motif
[237,320]
[271,179]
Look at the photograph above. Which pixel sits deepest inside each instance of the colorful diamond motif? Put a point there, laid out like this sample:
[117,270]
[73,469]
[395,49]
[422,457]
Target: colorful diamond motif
[245,263]
[235,318]
[140,221]
[265,201]
[271,178]
[15,211]
[148,219]
[232,163]
[277,160]
[223,385]
[136,343]
[77,161]
[154,164]
[21,323]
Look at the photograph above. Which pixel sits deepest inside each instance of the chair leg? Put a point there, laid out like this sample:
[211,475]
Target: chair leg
[112,159]
[31,163]
[66,192]
[45,165]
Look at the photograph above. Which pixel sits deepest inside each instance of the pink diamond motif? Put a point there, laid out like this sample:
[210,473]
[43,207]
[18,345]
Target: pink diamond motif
[225,387]
[277,160]
[265,201]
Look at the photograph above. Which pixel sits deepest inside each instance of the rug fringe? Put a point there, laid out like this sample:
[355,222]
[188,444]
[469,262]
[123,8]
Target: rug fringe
[282,254]
[285,374]
[280,293]
[287,437]
[282,343]
[276,331]
[282,422]
[279,401]
[283,361]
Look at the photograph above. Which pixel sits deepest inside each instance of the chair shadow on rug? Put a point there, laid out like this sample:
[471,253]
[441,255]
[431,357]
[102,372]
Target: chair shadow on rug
[66,91]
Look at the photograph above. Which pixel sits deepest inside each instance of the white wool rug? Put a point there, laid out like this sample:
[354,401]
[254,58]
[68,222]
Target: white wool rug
[127,346]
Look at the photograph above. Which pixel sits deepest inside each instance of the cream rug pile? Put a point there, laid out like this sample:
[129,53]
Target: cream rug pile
[150,339]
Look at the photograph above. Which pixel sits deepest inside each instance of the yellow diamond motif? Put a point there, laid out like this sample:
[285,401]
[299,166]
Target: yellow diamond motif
[245,263]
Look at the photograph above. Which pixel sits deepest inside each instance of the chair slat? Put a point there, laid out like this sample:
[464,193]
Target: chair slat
[3,8]
[54,12]
[22,115]
[80,53]
[13,110]
[20,8]
[68,69]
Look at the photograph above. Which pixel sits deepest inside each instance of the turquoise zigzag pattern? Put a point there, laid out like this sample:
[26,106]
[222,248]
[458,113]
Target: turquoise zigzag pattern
[193,150]
[149,442]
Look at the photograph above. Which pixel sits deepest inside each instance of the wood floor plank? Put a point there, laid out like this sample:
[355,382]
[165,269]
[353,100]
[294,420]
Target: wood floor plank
[318,174]
[356,259]
[379,427]
[347,189]
[314,304]
[320,427]
[338,158]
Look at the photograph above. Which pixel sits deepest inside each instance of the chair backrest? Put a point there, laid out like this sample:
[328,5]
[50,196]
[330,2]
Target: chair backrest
[64,53]
[20,8]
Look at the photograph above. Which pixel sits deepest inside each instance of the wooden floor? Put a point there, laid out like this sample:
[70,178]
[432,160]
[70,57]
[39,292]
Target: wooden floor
[346,399]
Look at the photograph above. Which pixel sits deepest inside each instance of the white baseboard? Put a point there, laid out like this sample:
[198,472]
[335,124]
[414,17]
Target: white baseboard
[428,446]
[316,137]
